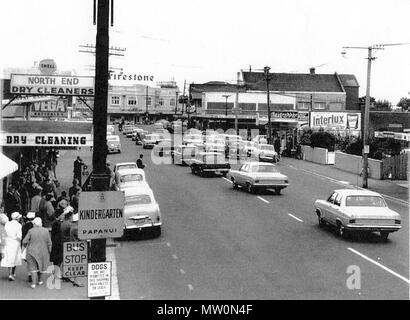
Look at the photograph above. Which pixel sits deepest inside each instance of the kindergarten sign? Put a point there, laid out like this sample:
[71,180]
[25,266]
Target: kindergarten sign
[34,84]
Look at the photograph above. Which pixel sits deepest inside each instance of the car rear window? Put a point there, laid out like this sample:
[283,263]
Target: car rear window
[131,177]
[365,201]
[138,199]
[263,168]
[216,158]
[127,166]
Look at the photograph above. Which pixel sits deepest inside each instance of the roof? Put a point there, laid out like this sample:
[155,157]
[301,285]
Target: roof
[254,163]
[140,188]
[349,192]
[215,86]
[299,82]
[124,172]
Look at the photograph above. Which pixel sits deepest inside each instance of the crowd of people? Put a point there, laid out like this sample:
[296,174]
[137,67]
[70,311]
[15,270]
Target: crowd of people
[37,220]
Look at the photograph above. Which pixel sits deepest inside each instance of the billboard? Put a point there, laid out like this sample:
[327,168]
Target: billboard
[46,139]
[335,120]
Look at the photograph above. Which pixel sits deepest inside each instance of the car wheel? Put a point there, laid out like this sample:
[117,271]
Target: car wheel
[156,231]
[234,184]
[193,170]
[384,235]
[340,230]
[249,188]
[277,190]
[322,222]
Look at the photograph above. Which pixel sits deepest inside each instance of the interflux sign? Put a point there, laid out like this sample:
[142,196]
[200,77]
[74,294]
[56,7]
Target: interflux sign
[101,215]
[34,84]
[335,120]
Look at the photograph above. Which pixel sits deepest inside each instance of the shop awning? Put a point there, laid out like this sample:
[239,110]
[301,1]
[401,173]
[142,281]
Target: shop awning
[7,166]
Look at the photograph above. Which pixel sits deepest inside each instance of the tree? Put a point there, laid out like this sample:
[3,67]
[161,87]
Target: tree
[404,103]
[323,139]
[362,101]
[381,105]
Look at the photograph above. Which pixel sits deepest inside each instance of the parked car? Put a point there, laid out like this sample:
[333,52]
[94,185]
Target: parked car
[164,148]
[260,139]
[209,162]
[150,140]
[110,128]
[129,178]
[125,165]
[250,147]
[184,153]
[113,143]
[357,210]
[256,176]
[141,210]
[265,152]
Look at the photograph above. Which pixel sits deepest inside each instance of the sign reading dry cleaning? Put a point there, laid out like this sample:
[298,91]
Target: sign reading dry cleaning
[101,215]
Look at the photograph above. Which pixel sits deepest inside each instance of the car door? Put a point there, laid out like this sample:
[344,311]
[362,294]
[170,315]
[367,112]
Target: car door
[243,174]
[338,213]
[327,210]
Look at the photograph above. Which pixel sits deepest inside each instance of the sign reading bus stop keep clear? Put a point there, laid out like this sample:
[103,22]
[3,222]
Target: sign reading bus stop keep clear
[101,215]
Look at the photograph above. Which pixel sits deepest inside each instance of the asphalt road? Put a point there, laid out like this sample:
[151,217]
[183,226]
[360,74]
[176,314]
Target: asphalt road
[220,243]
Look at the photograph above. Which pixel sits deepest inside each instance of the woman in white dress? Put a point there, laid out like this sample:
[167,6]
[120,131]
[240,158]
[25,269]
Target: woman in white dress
[12,248]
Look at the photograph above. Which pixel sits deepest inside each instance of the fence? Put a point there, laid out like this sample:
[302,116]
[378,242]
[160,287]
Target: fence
[396,167]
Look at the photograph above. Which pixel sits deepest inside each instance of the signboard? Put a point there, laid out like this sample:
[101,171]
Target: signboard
[366,149]
[34,84]
[99,279]
[50,108]
[335,120]
[46,139]
[47,66]
[101,215]
[75,259]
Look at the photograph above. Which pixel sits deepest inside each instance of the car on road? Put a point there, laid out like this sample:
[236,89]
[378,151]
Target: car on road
[151,140]
[260,139]
[255,176]
[184,153]
[113,143]
[129,178]
[209,162]
[110,128]
[250,147]
[125,165]
[141,210]
[164,148]
[265,152]
[357,210]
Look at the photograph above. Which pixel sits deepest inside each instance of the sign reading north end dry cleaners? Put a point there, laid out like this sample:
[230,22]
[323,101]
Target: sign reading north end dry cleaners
[52,85]
[101,215]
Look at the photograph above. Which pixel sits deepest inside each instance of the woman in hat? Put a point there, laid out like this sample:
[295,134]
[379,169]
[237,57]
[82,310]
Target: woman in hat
[12,249]
[28,224]
[38,244]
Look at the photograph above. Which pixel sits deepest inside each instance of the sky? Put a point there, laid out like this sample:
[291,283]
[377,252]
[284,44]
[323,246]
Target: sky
[200,41]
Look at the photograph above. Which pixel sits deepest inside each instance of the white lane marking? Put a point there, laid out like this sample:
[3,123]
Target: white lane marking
[344,182]
[115,294]
[296,218]
[168,244]
[264,200]
[227,179]
[379,265]
[190,287]
[182,271]
[174,256]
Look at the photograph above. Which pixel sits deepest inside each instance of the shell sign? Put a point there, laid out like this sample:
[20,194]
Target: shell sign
[47,66]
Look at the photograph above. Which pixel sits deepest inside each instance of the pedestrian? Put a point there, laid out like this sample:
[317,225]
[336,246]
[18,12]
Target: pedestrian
[108,171]
[3,220]
[74,189]
[46,211]
[74,228]
[24,196]
[56,254]
[38,243]
[11,201]
[28,224]
[66,224]
[63,196]
[139,162]
[36,199]
[277,146]
[78,165]
[12,249]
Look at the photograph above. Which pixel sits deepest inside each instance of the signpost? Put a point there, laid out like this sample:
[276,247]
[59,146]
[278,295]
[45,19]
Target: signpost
[75,259]
[101,215]
[99,279]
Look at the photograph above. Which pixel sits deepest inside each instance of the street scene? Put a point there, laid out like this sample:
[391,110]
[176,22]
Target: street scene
[252,182]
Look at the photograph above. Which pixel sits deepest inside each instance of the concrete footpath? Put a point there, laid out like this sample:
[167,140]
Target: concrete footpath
[399,190]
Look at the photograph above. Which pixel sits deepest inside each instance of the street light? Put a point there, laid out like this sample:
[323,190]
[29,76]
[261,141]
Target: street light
[267,77]
[365,129]
[226,96]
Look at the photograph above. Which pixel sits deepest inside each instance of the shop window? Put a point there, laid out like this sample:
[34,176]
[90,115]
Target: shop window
[172,102]
[115,100]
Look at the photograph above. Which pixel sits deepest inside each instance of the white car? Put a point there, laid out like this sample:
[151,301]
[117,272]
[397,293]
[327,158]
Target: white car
[260,139]
[357,210]
[265,152]
[129,178]
[141,210]
[113,143]
[258,176]
[125,165]
[184,153]
[151,140]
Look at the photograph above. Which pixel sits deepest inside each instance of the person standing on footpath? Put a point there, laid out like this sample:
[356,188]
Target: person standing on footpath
[38,243]
[12,249]
[3,220]
[11,201]
[46,211]
[78,166]
[28,224]
[36,199]
[74,189]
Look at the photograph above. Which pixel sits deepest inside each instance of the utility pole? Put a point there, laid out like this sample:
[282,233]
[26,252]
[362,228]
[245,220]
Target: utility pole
[237,104]
[99,177]
[267,77]
[365,129]
[146,104]
[226,96]
[183,107]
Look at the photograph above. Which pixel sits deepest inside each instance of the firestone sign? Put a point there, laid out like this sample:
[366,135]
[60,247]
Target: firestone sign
[34,84]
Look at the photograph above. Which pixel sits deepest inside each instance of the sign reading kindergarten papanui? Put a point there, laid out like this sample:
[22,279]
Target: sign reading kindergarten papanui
[52,85]
[101,215]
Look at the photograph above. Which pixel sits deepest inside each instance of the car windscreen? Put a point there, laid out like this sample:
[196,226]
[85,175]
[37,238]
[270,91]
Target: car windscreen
[365,201]
[131,177]
[216,158]
[126,166]
[138,199]
[267,148]
[263,168]
[113,138]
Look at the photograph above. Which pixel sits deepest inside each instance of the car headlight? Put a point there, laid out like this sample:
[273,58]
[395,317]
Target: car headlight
[352,221]
[286,181]
[256,181]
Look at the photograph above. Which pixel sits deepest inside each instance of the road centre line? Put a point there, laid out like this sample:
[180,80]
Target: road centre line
[174,256]
[379,265]
[294,217]
[190,287]
[227,179]
[264,200]
[182,271]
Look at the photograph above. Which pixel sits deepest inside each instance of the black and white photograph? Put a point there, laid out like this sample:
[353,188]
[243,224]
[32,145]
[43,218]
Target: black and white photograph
[202,157]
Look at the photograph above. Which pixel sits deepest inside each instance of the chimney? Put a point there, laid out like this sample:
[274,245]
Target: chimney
[250,68]
[312,70]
